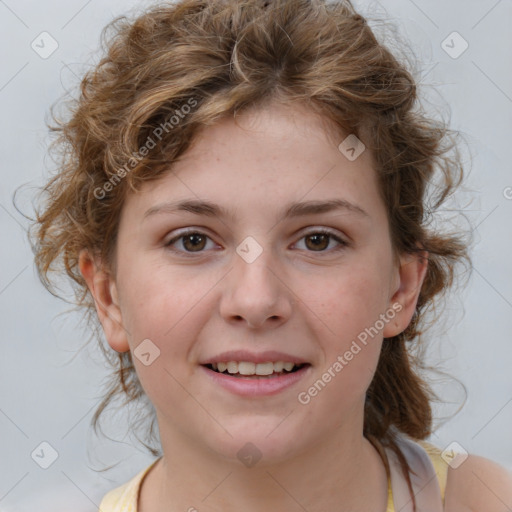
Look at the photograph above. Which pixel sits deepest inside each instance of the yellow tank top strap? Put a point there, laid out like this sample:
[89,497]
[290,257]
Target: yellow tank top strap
[390,507]
[440,467]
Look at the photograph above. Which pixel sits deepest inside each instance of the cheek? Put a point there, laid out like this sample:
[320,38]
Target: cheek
[350,307]
[160,314]
[158,301]
[351,300]
[351,350]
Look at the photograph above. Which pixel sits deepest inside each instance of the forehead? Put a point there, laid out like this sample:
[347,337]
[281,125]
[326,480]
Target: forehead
[275,119]
[264,157]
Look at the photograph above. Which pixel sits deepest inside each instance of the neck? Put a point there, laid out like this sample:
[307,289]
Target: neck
[344,474]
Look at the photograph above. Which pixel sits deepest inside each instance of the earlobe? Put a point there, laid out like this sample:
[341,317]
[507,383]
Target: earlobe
[412,272]
[104,292]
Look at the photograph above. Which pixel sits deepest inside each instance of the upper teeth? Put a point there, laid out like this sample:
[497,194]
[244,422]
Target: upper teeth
[246,368]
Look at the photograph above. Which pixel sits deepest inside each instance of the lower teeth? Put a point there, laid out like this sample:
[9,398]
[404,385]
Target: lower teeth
[238,376]
[253,376]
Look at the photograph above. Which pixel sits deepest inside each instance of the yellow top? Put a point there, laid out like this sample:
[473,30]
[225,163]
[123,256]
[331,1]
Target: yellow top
[125,497]
[440,467]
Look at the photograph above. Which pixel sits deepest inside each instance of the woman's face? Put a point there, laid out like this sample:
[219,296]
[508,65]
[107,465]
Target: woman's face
[259,280]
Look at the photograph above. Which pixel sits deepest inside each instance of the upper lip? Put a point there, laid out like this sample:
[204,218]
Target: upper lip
[252,357]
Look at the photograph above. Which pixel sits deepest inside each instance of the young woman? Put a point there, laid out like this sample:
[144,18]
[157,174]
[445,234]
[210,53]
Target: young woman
[242,205]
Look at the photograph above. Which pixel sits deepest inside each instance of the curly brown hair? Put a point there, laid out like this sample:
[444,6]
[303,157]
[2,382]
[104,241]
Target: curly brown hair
[219,57]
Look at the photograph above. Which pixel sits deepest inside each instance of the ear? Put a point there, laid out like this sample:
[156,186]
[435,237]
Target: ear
[411,274]
[103,289]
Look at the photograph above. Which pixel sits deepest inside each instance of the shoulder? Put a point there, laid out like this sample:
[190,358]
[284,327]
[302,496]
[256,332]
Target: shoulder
[120,498]
[478,485]
[125,497]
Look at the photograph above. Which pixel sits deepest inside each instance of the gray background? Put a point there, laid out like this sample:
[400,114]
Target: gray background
[49,389]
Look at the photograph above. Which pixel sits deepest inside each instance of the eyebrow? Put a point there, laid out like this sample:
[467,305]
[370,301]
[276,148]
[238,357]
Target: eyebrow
[292,210]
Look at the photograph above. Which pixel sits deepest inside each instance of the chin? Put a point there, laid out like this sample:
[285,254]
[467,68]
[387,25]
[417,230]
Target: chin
[259,443]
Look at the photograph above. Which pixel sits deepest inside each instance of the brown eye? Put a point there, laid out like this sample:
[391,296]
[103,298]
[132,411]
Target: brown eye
[318,241]
[192,241]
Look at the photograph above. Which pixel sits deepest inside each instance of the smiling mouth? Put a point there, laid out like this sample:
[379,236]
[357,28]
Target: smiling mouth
[253,371]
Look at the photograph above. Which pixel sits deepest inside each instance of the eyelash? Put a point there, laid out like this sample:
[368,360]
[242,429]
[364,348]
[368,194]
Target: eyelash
[320,231]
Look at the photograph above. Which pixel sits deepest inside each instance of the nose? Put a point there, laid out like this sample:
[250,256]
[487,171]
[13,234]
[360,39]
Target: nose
[256,293]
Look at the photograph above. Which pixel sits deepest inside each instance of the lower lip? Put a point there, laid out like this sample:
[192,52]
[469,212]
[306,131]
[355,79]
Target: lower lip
[257,386]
